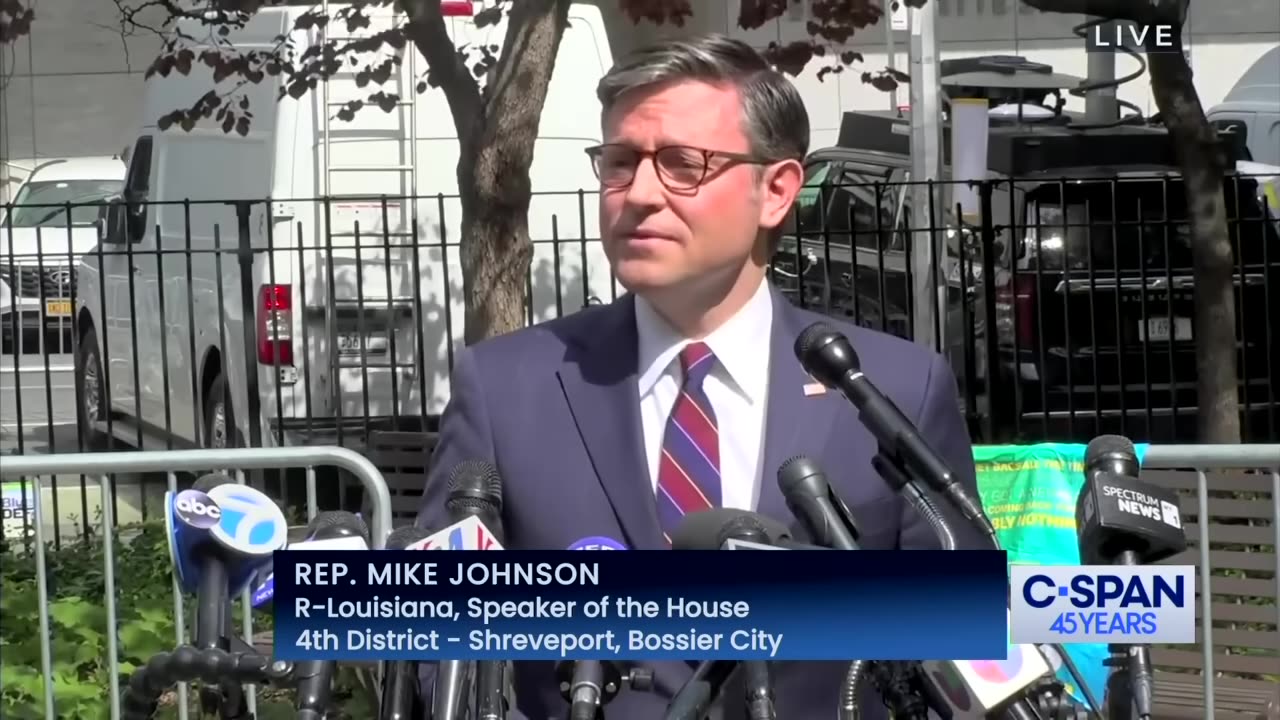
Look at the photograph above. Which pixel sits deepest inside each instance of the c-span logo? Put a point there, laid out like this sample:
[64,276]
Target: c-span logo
[1102,604]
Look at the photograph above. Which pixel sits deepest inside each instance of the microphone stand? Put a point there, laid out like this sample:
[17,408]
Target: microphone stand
[893,469]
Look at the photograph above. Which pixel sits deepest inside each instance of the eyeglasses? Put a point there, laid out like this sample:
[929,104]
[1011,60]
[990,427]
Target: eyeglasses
[679,167]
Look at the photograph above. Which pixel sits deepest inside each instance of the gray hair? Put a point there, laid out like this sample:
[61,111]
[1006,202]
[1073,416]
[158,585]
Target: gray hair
[774,117]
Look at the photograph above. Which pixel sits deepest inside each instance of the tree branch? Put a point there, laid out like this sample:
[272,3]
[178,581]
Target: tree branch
[427,31]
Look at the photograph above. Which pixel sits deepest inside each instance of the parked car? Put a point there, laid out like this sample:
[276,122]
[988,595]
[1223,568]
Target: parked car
[1090,295]
[49,226]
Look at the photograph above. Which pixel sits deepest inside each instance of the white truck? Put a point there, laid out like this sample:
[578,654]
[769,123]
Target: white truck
[225,306]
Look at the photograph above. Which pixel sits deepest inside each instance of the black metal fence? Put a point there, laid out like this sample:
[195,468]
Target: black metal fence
[1065,306]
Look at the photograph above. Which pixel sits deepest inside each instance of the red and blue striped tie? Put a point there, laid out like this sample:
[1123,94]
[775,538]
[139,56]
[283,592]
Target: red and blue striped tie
[689,469]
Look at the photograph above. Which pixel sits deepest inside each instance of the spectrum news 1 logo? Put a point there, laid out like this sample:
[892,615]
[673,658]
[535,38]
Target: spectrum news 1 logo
[1068,604]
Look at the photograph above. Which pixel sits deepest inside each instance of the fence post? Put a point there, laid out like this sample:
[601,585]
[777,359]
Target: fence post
[244,254]
[988,229]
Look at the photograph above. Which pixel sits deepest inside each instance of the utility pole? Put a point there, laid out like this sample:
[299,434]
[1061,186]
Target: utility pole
[1100,104]
[928,277]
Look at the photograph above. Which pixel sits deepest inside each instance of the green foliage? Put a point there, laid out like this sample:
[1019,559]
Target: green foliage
[78,620]
[78,629]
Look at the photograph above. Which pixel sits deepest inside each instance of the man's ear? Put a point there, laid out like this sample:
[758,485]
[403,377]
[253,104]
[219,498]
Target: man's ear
[779,187]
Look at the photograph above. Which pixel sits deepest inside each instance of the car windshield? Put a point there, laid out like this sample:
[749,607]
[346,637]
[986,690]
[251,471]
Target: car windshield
[37,202]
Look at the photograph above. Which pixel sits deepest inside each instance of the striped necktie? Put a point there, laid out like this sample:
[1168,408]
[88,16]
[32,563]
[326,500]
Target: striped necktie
[689,469]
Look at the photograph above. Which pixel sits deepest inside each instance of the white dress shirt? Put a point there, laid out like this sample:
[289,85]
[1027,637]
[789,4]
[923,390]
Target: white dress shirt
[737,388]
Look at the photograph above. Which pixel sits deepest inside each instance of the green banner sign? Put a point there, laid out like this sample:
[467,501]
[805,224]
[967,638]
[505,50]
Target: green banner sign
[1029,492]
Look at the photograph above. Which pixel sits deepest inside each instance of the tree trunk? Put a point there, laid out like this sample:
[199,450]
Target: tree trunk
[496,131]
[493,171]
[1202,164]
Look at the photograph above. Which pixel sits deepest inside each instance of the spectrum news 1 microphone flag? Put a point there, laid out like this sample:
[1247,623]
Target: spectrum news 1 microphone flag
[639,605]
[1029,492]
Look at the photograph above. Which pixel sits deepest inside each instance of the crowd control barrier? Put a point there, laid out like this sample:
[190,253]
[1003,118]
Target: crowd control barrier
[1230,507]
[236,462]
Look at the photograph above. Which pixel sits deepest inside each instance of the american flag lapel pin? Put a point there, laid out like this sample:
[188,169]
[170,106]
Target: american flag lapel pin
[814,388]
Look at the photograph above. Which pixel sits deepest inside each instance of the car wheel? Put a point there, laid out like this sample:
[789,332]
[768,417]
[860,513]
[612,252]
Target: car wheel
[91,392]
[219,417]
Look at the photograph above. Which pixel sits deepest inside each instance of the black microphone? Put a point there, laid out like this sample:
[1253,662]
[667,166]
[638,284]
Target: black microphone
[759,679]
[475,490]
[315,677]
[730,529]
[829,357]
[810,498]
[400,697]
[1122,520]
[695,697]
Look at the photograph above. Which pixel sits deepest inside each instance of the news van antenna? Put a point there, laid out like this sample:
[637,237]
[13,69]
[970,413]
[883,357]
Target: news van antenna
[1102,104]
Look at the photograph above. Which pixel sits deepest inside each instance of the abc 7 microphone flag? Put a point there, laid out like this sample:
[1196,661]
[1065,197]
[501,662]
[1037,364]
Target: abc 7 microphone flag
[564,604]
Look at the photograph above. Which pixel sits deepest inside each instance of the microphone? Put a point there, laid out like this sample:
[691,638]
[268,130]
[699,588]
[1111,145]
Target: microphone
[830,358]
[400,697]
[759,681]
[329,530]
[1122,520]
[731,529]
[986,688]
[810,498]
[589,685]
[474,504]
[475,490]
[315,677]
[694,698]
[597,542]
[220,534]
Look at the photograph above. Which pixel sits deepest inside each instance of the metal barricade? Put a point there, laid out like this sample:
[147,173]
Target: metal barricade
[171,462]
[1264,479]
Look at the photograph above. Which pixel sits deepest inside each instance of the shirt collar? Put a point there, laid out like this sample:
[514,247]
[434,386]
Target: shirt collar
[738,345]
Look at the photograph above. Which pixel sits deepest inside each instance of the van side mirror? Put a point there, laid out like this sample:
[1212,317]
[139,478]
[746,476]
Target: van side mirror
[110,221]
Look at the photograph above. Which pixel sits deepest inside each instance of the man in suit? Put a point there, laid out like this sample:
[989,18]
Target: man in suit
[685,393]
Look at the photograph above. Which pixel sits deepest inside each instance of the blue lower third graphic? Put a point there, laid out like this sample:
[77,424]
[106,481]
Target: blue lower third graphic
[640,605]
[1096,603]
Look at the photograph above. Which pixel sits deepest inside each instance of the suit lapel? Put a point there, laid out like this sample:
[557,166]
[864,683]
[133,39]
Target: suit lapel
[797,423]
[599,382]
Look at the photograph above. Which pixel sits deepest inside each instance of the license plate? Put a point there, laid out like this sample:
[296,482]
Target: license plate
[57,308]
[1159,329]
[354,344]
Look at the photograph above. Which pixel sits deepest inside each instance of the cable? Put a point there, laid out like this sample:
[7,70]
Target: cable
[186,663]
[1082,31]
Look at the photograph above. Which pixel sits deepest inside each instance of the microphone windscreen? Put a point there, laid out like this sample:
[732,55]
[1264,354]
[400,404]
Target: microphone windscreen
[702,530]
[477,477]
[1107,446]
[337,522]
[401,538]
[209,481]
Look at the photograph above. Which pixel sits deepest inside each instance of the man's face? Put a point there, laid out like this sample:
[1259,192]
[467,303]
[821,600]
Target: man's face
[659,239]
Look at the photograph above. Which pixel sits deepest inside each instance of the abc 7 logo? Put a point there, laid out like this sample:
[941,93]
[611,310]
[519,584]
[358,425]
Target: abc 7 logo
[198,506]
[245,516]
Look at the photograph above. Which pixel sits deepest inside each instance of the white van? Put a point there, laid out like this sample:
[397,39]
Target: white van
[341,315]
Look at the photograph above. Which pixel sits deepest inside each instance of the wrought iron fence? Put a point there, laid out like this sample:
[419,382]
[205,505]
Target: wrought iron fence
[1064,305]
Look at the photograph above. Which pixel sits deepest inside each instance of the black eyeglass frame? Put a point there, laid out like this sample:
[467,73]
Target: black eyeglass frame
[595,151]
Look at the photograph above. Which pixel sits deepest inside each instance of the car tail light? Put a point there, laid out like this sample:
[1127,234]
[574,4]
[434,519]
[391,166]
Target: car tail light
[275,325]
[457,8]
[1015,305]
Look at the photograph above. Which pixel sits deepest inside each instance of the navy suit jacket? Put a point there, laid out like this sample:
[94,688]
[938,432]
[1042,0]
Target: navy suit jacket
[556,408]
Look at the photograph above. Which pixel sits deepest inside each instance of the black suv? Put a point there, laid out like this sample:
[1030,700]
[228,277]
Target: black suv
[1089,288]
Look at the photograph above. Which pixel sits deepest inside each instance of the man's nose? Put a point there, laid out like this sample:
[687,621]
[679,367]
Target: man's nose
[646,187]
